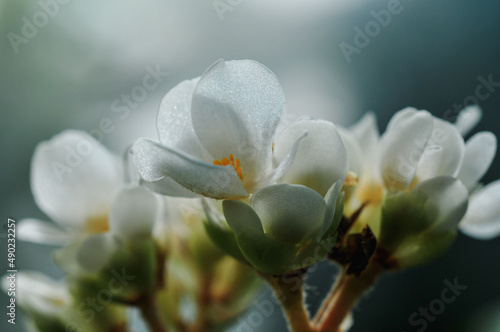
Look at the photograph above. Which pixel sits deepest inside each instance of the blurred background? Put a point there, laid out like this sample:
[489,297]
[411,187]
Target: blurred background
[69,69]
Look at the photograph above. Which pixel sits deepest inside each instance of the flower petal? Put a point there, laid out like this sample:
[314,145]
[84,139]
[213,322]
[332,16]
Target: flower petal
[236,108]
[40,293]
[347,323]
[445,199]
[402,146]
[42,232]
[289,213]
[428,165]
[74,178]
[287,161]
[468,118]
[367,135]
[448,160]
[175,127]
[480,151]
[482,220]
[355,154]
[168,187]
[446,135]
[321,158]
[155,161]
[134,213]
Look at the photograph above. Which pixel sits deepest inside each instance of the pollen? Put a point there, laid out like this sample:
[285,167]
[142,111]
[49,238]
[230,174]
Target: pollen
[231,161]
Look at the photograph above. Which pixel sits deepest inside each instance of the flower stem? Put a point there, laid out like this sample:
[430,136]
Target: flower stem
[327,301]
[346,293]
[150,314]
[290,294]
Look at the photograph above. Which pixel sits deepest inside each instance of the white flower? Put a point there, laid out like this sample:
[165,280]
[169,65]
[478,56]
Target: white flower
[79,184]
[424,158]
[50,305]
[216,134]
[39,295]
[408,188]
[416,148]
[287,226]
[74,180]
[482,220]
[132,216]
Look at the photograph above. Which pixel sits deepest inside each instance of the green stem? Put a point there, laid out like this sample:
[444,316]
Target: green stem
[290,295]
[348,290]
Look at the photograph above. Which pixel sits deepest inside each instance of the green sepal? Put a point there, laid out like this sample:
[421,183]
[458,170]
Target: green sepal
[339,212]
[221,234]
[130,274]
[410,232]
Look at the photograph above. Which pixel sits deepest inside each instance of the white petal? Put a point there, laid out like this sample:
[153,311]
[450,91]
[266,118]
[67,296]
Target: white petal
[480,151]
[367,134]
[468,118]
[134,212]
[449,159]
[236,108]
[74,178]
[155,161]
[402,146]
[482,220]
[355,155]
[168,187]
[289,213]
[287,161]
[347,323]
[446,135]
[130,172]
[42,232]
[428,165]
[321,159]
[39,292]
[95,252]
[400,117]
[446,200]
[175,127]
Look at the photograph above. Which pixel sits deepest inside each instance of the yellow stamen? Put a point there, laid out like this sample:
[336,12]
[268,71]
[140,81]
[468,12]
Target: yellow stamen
[233,162]
[97,225]
[351,180]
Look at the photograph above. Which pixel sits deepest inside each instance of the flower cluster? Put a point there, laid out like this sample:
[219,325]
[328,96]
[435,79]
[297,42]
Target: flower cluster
[121,245]
[229,189]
